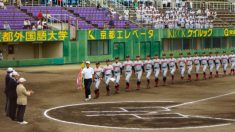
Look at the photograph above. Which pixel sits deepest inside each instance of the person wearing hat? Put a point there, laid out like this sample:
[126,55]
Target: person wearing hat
[7,79]
[211,63]
[148,64]
[224,60]
[204,62]
[173,65]
[164,68]
[196,62]
[97,78]
[181,62]
[22,94]
[156,67]
[217,63]
[138,69]
[88,76]
[189,62]
[108,74]
[232,62]
[128,67]
[11,92]
[117,68]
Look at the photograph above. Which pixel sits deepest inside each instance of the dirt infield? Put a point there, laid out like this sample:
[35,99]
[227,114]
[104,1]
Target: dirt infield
[55,86]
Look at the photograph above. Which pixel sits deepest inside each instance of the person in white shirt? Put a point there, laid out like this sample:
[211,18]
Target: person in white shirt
[172,66]
[217,63]
[88,76]
[224,60]
[148,69]
[128,67]
[204,62]
[108,74]
[138,69]
[181,62]
[211,63]
[1,55]
[6,26]
[196,61]
[232,62]
[164,67]
[156,67]
[27,24]
[117,68]
[189,62]
[98,76]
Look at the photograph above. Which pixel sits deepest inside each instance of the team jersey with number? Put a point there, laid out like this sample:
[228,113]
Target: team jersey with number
[117,67]
[181,61]
[189,61]
[138,65]
[127,66]
[108,69]
[148,64]
[98,72]
[156,63]
[224,59]
[204,60]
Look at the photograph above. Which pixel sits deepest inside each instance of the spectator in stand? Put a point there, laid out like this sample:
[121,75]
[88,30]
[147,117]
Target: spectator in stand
[34,27]
[50,3]
[27,24]
[18,2]
[44,24]
[6,26]
[47,16]
[40,15]
[39,25]
[2,6]
[126,15]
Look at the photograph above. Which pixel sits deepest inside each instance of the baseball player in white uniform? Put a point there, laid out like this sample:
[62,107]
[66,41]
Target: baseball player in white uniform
[164,67]
[189,63]
[138,69]
[108,73]
[211,63]
[232,62]
[224,61]
[204,62]
[117,68]
[128,67]
[196,61]
[217,63]
[156,67]
[98,75]
[181,62]
[148,69]
[173,65]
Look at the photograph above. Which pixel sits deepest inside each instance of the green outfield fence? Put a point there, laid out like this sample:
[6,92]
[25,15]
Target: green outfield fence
[99,45]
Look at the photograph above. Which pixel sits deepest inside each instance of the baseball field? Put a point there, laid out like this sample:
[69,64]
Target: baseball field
[57,106]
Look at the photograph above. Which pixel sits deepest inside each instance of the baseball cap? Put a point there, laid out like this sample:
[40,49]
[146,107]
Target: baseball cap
[22,80]
[88,62]
[107,60]
[127,56]
[97,63]
[116,57]
[10,69]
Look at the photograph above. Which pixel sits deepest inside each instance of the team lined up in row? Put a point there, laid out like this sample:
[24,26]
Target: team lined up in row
[110,71]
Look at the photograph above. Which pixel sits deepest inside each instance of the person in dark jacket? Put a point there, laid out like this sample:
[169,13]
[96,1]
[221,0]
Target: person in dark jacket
[7,79]
[11,92]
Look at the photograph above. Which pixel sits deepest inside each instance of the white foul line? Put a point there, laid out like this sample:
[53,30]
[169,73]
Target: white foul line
[201,100]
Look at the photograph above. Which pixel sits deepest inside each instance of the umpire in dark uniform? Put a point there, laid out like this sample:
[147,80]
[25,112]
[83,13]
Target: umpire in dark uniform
[7,79]
[11,92]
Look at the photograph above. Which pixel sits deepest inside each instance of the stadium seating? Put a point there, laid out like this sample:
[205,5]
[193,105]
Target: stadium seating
[14,17]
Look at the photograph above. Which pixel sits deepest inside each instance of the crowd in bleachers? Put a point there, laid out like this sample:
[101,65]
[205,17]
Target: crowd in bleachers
[179,17]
